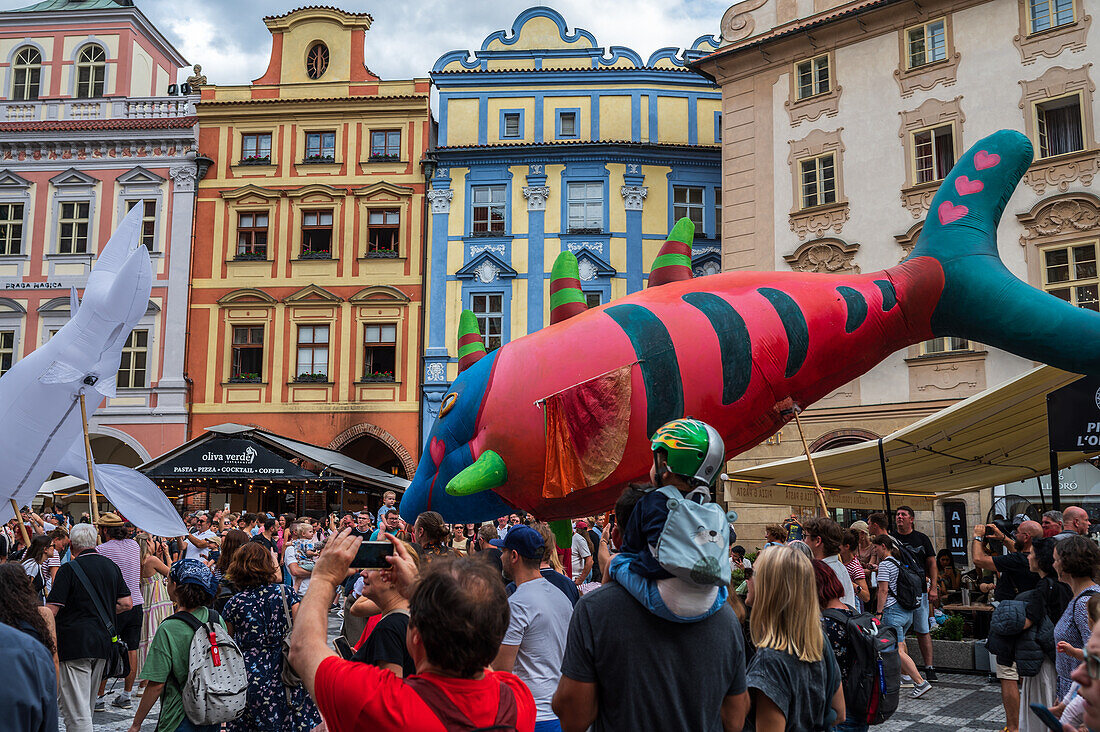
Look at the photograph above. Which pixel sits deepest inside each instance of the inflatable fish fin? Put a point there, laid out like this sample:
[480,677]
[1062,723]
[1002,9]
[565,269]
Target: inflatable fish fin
[61,373]
[484,474]
[563,532]
[566,298]
[673,262]
[74,302]
[981,299]
[108,387]
[471,347]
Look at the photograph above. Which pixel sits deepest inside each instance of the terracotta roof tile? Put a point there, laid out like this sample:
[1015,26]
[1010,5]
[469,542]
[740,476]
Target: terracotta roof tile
[291,100]
[154,123]
[559,70]
[318,7]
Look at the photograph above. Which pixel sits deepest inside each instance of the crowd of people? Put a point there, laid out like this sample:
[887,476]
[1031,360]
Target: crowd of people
[508,625]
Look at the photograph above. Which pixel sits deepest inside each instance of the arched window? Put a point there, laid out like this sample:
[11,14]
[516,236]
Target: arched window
[317,61]
[91,70]
[27,73]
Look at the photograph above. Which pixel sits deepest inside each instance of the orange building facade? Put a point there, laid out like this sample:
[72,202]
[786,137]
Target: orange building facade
[305,314]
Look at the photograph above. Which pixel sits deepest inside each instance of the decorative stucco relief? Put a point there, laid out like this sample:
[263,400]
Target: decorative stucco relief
[831,256]
[1050,43]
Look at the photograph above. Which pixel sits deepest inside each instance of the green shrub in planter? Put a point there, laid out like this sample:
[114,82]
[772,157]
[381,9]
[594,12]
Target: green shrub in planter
[952,629]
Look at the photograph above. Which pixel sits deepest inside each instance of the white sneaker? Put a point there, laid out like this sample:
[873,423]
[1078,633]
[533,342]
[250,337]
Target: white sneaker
[921,690]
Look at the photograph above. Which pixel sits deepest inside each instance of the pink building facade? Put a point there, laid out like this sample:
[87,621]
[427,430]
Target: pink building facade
[87,131]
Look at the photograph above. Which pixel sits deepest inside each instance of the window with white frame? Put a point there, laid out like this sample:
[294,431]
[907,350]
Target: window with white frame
[7,350]
[72,229]
[379,351]
[320,146]
[488,209]
[926,44]
[489,310]
[383,226]
[1047,14]
[91,72]
[1058,125]
[687,201]
[252,235]
[11,228]
[132,370]
[512,124]
[818,181]
[933,153]
[26,75]
[585,203]
[813,76]
[312,353]
[946,344]
[1069,273]
[567,124]
[317,234]
[148,222]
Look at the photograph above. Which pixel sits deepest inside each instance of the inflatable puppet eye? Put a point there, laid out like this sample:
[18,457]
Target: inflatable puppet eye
[448,402]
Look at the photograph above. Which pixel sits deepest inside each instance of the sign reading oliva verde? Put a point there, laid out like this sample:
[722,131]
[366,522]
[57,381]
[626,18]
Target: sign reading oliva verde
[228,457]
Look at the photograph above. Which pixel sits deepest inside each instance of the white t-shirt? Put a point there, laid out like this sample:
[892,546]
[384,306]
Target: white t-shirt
[290,556]
[193,552]
[845,579]
[580,553]
[539,625]
[888,573]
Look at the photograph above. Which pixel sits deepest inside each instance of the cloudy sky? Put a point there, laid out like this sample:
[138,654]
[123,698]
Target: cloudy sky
[229,39]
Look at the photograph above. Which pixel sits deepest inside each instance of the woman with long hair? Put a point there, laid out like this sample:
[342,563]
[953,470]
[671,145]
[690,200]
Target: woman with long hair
[20,609]
[829,597]
[1075,560]
[257,620]
[950,580]
[34,564]
[234,540]
[886,551]
[1045,604]
[793,678]
[432,535]
[154,591]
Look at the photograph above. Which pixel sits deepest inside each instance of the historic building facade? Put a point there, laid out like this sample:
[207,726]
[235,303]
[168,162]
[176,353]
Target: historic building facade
[840,120]
[88,131]
[305,314]
[549,142]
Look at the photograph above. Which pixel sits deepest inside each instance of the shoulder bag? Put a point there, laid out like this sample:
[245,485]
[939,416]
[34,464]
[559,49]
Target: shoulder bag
[118,660]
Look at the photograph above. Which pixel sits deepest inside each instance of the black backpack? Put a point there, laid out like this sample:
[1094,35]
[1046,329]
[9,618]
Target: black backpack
[874,667]
[910,583]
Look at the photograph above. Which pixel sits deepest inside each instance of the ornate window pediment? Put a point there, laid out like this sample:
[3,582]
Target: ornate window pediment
[249,296]
[383,190]
[591,266]
[828,256]
[237,194]
[908,240]
[486,267]
[139,176]
[9,181]
[312,294]
[73,178]
[316,189]
[379,294]
[707,263]
[1070,215]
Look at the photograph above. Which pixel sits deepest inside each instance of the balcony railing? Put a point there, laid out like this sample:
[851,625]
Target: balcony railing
[84,109]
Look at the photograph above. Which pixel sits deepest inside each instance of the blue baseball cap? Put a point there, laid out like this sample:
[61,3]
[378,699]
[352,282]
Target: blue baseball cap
[194,572]
[524,540]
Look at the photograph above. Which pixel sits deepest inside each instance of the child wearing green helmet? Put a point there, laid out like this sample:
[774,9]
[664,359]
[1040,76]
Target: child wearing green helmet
[675,557]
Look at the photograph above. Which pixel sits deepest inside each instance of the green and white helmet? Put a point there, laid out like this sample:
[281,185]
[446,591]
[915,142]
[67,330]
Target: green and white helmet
[692,448]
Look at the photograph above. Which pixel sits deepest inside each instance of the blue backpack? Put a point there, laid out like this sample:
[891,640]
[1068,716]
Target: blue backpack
[694,543]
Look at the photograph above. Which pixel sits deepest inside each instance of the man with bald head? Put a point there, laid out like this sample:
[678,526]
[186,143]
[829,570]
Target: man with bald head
[1075,522]
[1014,578]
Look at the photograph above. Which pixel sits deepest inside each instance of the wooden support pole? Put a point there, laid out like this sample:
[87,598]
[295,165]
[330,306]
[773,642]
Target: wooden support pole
[22,526]
[813,470]
[93,499]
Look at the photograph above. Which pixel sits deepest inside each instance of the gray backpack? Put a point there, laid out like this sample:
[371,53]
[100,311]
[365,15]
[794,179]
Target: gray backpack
[216,687]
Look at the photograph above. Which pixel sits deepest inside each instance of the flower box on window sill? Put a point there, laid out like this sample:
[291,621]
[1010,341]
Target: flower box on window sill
[250,257]
[384,159]
[245,379]
[486,234]
[587,231]
[256,160]
[383,254]
[318,159]
[378,377]
[315,255]
[311,379]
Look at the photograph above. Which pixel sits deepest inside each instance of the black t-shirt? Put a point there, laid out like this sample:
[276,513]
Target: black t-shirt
[364,535]
[920,546]
[80,630]
[650,672]
[261,539]
[557,579]
[386,644]
[1015,576]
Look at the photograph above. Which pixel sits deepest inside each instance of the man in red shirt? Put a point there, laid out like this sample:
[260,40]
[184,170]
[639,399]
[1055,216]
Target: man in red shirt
[458,614]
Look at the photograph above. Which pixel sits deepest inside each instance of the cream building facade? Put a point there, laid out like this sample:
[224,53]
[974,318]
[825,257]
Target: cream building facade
[839,121]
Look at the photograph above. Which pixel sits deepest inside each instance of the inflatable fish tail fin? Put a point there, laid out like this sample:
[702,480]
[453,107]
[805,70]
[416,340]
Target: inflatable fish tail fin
[673,262]
[981,299]
[566,298]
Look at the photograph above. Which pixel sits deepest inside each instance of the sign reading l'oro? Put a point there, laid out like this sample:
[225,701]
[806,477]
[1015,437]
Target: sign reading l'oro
[782,495]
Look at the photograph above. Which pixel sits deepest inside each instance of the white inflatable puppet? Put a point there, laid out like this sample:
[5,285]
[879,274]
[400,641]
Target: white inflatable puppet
[40,424]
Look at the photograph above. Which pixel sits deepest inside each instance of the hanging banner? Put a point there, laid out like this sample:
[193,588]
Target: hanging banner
[229,457]
[1073,416]
[779,495]
[955,527]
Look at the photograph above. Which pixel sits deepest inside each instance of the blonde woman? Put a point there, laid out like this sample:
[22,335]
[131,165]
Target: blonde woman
[794,679]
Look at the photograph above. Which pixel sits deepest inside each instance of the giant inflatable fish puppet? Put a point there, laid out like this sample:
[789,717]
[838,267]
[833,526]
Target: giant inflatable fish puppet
[40,423]
[558,422]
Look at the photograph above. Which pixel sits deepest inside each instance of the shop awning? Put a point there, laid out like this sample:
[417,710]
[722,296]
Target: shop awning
[995,437]
[234,451]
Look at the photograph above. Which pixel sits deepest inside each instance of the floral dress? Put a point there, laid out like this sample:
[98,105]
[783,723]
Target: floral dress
[259,625]
[158,606]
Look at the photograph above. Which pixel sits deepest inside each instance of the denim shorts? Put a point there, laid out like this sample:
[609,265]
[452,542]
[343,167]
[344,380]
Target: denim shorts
[920,615]
[898,618]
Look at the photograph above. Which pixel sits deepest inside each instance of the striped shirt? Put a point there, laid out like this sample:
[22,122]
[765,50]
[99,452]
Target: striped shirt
[127,555]
[855,569]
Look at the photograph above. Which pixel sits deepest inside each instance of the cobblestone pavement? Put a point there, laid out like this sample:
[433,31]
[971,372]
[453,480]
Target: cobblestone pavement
[956,702]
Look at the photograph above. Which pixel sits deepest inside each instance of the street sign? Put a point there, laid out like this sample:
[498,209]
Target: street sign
[1073,416]
[954,521]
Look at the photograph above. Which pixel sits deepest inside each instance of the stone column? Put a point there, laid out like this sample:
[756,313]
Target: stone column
[536,192]
[634,194]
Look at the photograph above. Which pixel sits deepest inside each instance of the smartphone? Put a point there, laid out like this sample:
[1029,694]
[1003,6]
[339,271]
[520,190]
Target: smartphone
[1047,717]
[372,555]
[343,648]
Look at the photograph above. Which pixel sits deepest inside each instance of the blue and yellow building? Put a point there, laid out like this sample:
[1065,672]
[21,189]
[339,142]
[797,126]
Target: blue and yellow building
[549,142]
